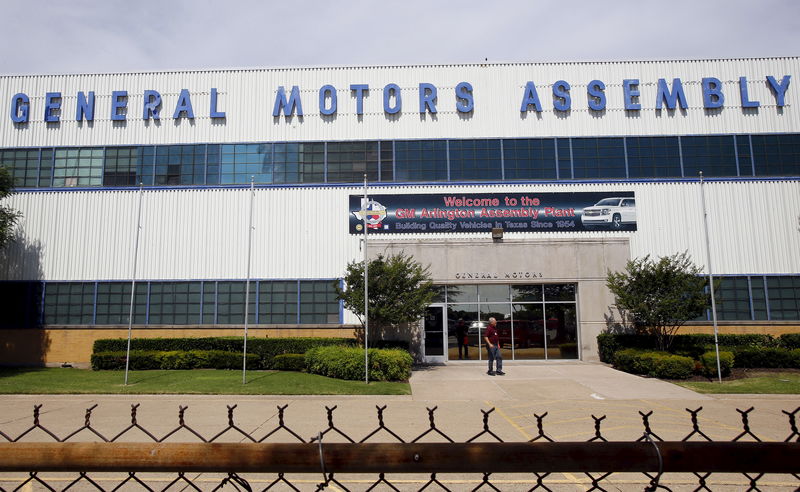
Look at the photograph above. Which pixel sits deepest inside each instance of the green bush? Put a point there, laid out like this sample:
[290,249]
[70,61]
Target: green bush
[673,367]
[655,364]
[767,358]
[789,340]
[195,359]
[265,348]
[709,362]
[633,361]
[348,363]
[289,362]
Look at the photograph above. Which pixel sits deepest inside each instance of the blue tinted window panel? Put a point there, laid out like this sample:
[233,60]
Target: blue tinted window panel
[564,158]
[421,160]
[653,157]
[776,155]
[784,298]
[598,158]
[715,156]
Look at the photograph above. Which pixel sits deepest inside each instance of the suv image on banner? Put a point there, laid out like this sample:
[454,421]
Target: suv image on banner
[611,213]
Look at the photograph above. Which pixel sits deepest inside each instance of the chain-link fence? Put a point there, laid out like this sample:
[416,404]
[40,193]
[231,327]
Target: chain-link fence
[89,458]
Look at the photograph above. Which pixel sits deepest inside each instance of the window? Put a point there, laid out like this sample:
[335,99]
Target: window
[713,155]
[230,303]
[318,303]
[776,155]
[180,165]
[534,321]
[23,165]
[784,297]
[277,302]
[124,166]
[387,160]
[175,303]
[529,158]
[420,160]
[598,158]
[114,303]
[241,161]
[475,160]
[733,298]
[653,157]
[349,161]
[564,158]
[78,167]
[22,304]
[69,303]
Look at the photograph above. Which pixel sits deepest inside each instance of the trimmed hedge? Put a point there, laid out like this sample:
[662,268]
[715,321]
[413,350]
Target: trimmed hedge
[289,362]
[709,362]
[790,340]
[174,359]
[766,357]
[688,345]
[264,348]
[348,363]
[655,364]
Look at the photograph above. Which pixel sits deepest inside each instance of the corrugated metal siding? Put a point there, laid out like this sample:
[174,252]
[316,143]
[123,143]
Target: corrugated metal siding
[248,96]
[302,232]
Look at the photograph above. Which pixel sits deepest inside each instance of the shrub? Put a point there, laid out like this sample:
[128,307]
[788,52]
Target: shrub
[289,362]
[656,364]
[789,340]
[709,362]
[265,348]
[633,361]
[348,363]
[673,367]
[195,359]
[763,357]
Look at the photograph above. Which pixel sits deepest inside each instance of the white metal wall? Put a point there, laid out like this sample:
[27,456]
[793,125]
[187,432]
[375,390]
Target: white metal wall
[248,96]
[303,232]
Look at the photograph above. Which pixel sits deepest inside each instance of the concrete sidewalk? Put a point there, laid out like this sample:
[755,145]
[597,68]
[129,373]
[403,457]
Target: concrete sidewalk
[536,381]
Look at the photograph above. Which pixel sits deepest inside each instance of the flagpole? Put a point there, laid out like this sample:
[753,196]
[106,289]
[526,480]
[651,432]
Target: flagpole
[710,277]
[247,283]
[366,287]
[133,281]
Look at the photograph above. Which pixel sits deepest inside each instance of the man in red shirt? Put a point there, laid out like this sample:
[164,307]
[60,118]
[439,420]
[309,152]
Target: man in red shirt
[492,339]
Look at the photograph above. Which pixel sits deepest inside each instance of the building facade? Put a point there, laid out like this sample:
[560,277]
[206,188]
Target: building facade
[574,168]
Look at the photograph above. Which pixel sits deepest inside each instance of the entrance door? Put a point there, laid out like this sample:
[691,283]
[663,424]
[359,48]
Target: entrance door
[434,333]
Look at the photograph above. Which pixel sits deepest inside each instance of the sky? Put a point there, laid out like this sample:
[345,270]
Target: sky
[99,36]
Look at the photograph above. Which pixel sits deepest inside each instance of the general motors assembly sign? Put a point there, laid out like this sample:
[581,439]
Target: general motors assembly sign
[480,212]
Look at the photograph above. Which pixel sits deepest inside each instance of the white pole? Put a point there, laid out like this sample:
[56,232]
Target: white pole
[366,286]
[247,283]
[710,277]
[133,281]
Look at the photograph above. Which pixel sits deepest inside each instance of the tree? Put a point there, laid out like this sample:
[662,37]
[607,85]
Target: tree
[399,291]
[8,216]
[659,296]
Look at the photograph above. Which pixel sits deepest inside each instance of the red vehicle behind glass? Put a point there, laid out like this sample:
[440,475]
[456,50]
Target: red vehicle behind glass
[526,333]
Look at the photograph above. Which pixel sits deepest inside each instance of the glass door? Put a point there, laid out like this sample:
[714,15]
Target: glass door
[434,333]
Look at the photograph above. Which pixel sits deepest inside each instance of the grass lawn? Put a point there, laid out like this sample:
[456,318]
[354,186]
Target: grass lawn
[755,383]
[198,381]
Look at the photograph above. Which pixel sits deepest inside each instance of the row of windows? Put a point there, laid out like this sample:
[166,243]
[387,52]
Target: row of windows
[407,161]
[758,298]
[170,303]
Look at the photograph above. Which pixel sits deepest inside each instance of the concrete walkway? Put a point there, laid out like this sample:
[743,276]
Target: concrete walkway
[540,381]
